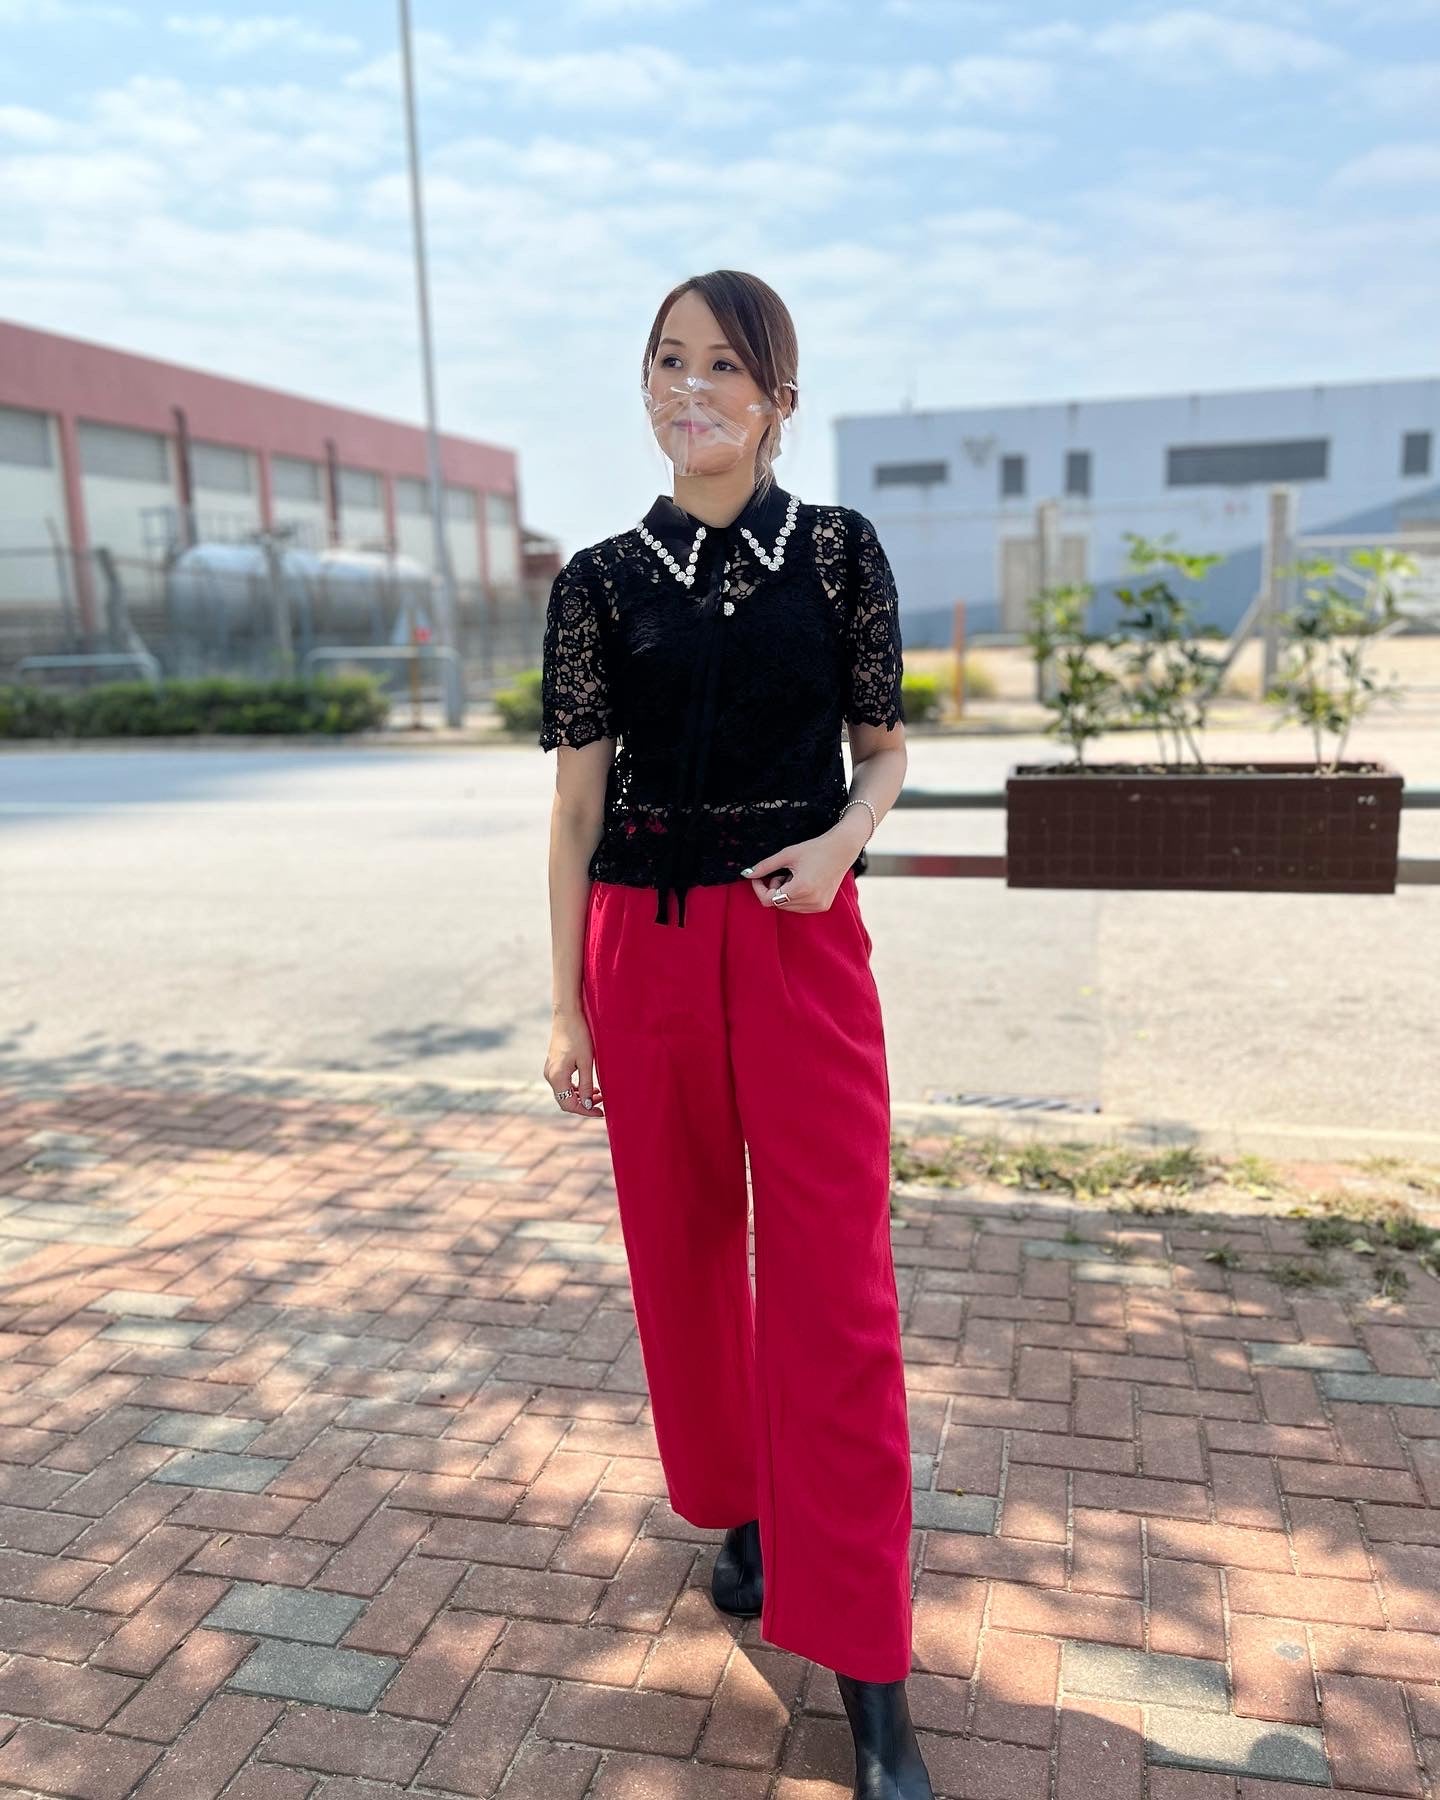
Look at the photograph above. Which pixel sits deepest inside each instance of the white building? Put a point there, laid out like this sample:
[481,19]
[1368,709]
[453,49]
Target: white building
[954,494]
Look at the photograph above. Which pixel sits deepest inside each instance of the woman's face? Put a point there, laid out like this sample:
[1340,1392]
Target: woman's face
[707,411]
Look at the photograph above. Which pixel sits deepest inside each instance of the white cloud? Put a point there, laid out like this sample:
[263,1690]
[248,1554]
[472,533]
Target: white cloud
[1401,85]
[631,9]
[244,36]
[651,82]
[1187,42]
[855,144]
[1006,84]
[65,12]
[1392,165]
[26,126]
[76,183]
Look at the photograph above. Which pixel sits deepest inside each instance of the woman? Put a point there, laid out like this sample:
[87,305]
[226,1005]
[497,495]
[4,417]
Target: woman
[712,964]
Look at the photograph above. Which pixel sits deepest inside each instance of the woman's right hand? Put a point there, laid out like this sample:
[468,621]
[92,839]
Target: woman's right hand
[570,1066]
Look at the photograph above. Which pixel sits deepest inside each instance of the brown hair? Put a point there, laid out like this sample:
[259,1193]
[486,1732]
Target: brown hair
[758,327]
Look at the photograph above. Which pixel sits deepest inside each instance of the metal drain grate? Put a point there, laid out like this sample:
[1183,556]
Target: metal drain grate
[1011,1102]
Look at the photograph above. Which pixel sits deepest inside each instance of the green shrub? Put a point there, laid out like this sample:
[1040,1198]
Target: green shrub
[980,681]
[329,704]
[920,697]
[519,704]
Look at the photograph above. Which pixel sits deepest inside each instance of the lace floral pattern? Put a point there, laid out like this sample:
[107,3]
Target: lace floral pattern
[575,703]
[805,649]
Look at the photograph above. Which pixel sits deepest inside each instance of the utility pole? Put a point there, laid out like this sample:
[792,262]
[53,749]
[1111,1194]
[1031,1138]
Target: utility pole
[449,625]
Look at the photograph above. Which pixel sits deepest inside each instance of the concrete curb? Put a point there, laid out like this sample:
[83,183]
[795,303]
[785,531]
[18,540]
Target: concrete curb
[409,1093]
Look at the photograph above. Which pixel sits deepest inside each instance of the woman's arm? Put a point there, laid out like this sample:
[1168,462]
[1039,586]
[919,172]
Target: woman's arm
[874,723]
[577,721]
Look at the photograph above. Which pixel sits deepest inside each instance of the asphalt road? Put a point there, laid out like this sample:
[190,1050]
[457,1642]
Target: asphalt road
[385,911]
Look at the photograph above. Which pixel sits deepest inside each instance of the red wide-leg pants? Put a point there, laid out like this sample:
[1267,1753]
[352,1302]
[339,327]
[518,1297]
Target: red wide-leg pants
[755,1028]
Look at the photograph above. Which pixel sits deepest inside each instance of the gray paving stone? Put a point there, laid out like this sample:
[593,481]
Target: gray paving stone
[1145,1676]
[58,1156]
[481,1168]
[62,1231]
[953,1512]
[607,1253]
[326,1676]
[201,1431]
[1182,1739]
[571,1230]
[216,1469]
[1308,1356]
[1128,1274]
[302,1615]
[138,1304]
[13,1251]
[1055,1250]
[175,1334]
[1382,1390]
[338,1347]
[79,1212]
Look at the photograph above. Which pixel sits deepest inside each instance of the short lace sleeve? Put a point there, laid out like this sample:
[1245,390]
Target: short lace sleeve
[575,699]
[872,631]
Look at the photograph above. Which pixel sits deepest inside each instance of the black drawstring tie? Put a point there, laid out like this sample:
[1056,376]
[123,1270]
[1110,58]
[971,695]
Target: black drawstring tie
[693,758]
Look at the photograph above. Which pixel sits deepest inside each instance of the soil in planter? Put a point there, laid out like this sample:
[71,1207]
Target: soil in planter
[1245,826]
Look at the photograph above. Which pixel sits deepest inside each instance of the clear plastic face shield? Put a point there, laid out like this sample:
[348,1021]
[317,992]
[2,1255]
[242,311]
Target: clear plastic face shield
[706,424]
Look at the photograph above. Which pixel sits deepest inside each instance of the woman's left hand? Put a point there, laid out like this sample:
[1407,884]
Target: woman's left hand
[817,867]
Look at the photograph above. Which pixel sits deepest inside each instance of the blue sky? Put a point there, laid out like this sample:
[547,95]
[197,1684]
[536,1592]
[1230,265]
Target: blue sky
[962,203]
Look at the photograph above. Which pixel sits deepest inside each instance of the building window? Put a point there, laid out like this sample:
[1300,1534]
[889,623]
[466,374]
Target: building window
[913,474]
[412,497]
[1012,477]
[460,504]
[1415,453]
[1241,465]
[361,488]
[222,468]
[293,478]
[25,438]
[122,454]
[1077,473]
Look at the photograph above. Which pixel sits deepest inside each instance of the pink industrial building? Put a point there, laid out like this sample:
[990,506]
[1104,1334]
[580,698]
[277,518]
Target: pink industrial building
[101,448]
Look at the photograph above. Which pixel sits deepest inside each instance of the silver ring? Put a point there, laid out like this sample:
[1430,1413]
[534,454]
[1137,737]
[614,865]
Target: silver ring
[562,1095]
[781,898]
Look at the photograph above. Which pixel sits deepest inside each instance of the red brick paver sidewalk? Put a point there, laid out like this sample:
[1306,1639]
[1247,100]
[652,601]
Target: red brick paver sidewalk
[328,1474]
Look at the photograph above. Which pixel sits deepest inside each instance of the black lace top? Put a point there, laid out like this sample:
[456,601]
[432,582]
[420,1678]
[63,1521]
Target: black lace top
[726,696]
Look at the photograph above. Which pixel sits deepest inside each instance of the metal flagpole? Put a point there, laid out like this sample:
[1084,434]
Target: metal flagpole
[449,633]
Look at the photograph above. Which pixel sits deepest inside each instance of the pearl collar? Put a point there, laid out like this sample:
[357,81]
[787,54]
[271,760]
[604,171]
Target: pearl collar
[685,573]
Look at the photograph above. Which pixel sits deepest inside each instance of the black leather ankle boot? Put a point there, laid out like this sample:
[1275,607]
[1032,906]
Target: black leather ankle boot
[737,1581]
[888,1763]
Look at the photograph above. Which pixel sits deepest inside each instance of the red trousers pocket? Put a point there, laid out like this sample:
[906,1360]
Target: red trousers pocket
[755,1032]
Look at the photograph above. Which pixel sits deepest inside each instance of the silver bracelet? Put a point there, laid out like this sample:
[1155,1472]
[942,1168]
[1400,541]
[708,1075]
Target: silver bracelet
[857,801]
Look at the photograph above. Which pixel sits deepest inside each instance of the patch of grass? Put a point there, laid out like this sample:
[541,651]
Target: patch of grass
[1399,1168]
[1255,1176]
[1329,1233]
[1391,1281]
[1410,1234]
[1349,1220]
[1295,1275]
[1094,1172]
[1149,1206]
[1226,1256]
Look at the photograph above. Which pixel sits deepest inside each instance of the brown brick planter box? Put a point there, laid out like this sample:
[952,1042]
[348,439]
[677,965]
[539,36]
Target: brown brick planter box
[1257,826]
